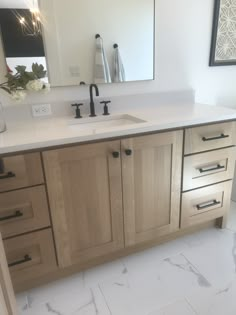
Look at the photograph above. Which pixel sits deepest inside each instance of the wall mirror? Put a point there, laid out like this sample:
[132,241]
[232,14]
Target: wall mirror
[61,35]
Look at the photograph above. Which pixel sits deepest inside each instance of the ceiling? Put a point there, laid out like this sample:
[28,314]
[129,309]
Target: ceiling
[17,4]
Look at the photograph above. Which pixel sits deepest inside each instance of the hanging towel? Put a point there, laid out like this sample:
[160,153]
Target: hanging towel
[101,71]
[119,70]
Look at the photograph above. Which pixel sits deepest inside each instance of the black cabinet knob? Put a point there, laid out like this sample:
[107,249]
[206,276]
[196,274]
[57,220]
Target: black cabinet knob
[116,155]
[128,152]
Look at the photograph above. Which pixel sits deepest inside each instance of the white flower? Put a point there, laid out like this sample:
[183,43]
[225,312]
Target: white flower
[34,85]
[18,95]
[46,87]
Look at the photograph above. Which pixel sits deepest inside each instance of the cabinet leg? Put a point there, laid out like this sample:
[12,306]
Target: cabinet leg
[222,222]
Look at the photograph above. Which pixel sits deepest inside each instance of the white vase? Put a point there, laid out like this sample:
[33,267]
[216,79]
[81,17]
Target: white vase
[3,126]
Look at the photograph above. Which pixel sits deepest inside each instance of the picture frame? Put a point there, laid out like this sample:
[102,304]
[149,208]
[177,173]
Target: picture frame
[223,42]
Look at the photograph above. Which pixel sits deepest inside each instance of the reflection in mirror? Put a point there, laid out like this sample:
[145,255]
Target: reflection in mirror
[21,34]
[65,31]
[73,53]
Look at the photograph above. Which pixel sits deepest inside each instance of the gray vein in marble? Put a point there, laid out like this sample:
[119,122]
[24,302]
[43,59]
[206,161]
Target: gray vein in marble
[105,299]
[51,310]
[125,270]
[190,305]
[234,251]
[226,290]
[30,300]
[25,307]
[83,279]
[119,284]
[202,281]
[92,301]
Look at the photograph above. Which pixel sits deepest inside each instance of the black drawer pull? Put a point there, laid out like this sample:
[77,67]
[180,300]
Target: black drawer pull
[116,155]
[218,167]
[213,203]
[17,214]
[128,152]
[222,136]
[20,262]
[7,175]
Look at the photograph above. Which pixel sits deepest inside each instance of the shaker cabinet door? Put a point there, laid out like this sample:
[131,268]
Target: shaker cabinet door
[7,296]
[151,173]
[85,193]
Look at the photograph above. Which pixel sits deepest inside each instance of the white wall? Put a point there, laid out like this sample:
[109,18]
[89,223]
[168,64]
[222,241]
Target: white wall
[183,36]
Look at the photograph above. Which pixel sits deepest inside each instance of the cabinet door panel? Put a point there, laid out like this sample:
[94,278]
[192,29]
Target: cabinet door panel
[7,296]
[151,181]
[84,185]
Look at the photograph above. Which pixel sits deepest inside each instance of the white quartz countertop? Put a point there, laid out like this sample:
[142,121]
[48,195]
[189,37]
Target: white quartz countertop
[43,133]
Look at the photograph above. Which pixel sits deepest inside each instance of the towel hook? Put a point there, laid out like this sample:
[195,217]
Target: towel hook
[115,46]
[97,36]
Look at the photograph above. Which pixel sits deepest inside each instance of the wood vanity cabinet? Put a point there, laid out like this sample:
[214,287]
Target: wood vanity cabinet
[208,171]
[85,193]
[109,199]
[25,223]
[151,185]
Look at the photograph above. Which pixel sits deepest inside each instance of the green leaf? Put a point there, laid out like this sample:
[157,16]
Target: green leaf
[21,69]
[38,70]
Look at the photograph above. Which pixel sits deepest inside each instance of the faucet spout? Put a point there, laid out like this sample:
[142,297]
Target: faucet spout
[92,107]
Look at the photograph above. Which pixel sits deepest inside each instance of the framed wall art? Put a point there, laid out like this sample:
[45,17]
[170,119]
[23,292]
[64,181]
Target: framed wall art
[223,44]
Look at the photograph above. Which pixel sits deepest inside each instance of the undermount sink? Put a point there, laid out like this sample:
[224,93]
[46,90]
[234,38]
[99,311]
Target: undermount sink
[104,122]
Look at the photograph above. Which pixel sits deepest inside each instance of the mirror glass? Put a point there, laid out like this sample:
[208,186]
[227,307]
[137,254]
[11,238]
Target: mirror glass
[84,41]
[21,35]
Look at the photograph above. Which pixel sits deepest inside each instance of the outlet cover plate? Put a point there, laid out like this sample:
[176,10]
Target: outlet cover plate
[40,110]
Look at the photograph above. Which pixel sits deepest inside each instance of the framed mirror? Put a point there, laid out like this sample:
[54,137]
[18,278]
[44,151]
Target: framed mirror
[80,41]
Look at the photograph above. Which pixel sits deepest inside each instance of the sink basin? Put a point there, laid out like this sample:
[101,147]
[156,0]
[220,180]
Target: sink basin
[96,124]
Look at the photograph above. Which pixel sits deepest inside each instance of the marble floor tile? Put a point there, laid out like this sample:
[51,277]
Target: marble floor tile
[178,308]
[85,302]
[221,301]
[22,301]
[148,259]
[102,273]
[65,289]
[215,258]
[195,274]
[138,293]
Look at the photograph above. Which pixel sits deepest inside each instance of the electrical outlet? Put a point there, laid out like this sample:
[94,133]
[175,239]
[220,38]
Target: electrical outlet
[41,110]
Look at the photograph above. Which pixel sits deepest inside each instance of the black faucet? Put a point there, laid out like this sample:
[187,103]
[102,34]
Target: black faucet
[92,108]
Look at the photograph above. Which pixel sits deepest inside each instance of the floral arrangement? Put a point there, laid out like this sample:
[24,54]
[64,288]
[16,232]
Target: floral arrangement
[22,81]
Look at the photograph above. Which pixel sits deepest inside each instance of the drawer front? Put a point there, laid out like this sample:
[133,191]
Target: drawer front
[20,171]
[23,211]
[30,256]
[205,204]
[208,168]
[209,137]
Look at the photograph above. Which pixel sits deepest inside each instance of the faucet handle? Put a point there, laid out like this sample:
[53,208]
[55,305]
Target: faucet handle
[77,111]
[105,107]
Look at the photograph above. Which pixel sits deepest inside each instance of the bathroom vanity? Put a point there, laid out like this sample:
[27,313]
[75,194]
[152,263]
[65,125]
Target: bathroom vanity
[67,206]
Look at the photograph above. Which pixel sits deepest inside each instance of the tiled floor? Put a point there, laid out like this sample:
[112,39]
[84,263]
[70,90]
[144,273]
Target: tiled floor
[195,274]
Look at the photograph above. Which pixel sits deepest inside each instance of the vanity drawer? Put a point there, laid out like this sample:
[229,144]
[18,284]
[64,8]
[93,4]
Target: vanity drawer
[23,211]
[20,171]
[208,168]
[209,137]
[30,256]
[205,204]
